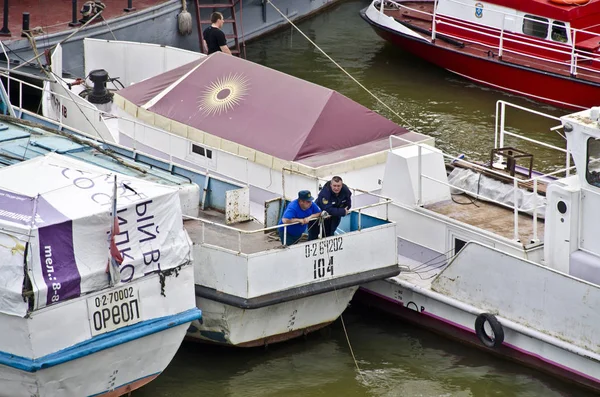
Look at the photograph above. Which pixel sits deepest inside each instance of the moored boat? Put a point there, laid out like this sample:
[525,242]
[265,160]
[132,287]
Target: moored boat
[84,310]
[32,27]
[539,49]
[498,255]
[449,250]
[252,290]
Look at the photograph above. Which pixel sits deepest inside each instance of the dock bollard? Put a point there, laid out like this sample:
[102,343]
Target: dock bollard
[25,28]
[4,31]
[130,6]
[74,20]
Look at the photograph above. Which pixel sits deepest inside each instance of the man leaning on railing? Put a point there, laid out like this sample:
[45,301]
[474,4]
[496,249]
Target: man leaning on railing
[298,214]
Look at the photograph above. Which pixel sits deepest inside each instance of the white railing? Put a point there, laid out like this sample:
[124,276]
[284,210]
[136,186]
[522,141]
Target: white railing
[241,232]
[500,132]
[571,55]
[98,114]
[318,181]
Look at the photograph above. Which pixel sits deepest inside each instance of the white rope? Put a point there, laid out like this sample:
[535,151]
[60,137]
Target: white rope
[406,123]
[352,351]
[322,230]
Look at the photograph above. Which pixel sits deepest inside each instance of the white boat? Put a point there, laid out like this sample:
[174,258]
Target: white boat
[466,266]
[69,326]
[252,290]
[512,266]
[243,137]
[548,264]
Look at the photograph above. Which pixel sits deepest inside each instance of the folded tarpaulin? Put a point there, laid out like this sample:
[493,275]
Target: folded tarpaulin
[56,212]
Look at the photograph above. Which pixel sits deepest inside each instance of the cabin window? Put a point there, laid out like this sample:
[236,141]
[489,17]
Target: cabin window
[559,32]
[202,151]
[458,245]
[592,174]
[535,26]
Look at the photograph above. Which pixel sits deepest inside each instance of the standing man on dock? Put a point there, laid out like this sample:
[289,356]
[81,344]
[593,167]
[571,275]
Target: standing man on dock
[213,37]
[336,200]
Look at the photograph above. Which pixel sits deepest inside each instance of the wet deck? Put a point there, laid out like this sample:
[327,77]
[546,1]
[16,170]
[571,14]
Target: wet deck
[229,239]
[54,15]
[488,216]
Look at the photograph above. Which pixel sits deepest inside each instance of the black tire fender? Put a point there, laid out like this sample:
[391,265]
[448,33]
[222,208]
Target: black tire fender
[496,327]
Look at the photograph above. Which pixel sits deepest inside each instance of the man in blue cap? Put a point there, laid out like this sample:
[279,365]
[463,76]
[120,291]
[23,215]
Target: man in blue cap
[300,211]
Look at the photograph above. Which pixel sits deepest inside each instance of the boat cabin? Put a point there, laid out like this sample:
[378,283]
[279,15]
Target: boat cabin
[523,24]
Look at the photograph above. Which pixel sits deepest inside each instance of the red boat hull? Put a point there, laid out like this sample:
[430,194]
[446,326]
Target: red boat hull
[557,90]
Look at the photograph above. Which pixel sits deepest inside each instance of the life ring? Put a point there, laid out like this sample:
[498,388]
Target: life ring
[497,329]
[570,2]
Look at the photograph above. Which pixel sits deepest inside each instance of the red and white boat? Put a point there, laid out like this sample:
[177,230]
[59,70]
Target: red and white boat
[547,50]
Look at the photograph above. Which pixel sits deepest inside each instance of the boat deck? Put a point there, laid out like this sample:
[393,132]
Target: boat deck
[488,216]
[419,21]
[54,16]
[230,239]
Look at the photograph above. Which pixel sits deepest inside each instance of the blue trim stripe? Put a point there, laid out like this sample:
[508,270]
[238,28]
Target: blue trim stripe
[100,342]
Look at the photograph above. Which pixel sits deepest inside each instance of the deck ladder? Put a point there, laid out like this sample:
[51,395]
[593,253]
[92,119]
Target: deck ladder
[227,8]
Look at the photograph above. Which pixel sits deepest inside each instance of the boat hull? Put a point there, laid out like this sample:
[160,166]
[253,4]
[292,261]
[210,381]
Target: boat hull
[51,353]
[557,90]
[157,25]
[229,325]
[111,372]
[436,316]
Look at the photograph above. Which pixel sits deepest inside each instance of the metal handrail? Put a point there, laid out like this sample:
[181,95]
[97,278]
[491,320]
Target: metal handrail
[547,45]
[499,133]
[481,167]
[318,179]
[284,226]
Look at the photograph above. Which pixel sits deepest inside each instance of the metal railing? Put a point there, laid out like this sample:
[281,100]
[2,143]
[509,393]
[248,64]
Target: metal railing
[319,180]
[241,232]
[500,133]
[566,50]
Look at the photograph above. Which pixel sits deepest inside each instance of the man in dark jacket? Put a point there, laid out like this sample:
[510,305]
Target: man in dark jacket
[335,199]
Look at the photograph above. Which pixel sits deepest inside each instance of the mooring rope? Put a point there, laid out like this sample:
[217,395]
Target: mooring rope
[322,233]
[404,121]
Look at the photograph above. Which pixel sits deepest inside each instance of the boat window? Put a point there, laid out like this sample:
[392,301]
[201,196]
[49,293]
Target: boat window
[559,32]
[535,26]
[593,162]
[202,151]
[458,245]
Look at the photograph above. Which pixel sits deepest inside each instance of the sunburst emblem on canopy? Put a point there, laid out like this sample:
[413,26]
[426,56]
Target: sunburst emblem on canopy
[223,94]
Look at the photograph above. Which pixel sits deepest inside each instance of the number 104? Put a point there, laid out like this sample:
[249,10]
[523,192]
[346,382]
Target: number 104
[320,269]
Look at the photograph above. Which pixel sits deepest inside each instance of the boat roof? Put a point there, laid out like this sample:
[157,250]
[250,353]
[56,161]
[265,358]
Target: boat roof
[545,8]
[265,110]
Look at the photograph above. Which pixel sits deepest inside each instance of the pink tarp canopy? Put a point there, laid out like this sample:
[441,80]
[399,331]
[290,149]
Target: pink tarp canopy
[260,108]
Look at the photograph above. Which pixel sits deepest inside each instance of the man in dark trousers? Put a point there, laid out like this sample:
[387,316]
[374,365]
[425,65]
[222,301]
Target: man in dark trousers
[214,38]
[335,199]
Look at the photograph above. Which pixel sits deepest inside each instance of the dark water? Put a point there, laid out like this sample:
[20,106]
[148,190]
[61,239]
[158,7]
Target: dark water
[395,359]
[459,114]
